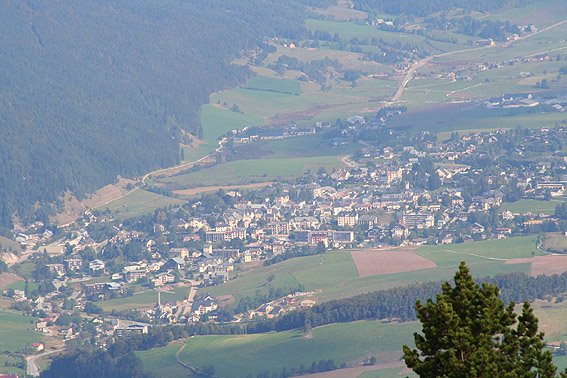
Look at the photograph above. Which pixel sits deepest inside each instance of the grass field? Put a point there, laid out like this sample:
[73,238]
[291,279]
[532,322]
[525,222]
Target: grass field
[237,356]
[335,275]
[145,299]
[240,355]
[244,171]
[552,319]
[9,245]
[541,13]
[16,331]
[347,31]
[302,146]
[512,248]
[138,203]
[532,206]
[456,117]
[21,285]
[555,242]
[274,85]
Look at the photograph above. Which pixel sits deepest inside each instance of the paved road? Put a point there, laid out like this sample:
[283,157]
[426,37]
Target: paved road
[32,368]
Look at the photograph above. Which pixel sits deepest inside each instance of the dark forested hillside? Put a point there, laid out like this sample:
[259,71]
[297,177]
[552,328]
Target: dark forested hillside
[427,7]
[93,89]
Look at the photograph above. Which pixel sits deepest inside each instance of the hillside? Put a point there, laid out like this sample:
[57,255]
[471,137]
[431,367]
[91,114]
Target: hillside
[94,89]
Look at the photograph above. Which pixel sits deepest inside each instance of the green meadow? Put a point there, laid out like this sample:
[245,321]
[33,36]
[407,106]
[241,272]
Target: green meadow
[268,84]
[137,203]
[240,355]
[246,171]
[145,299]
[334,275]
[532,206]
[16,332]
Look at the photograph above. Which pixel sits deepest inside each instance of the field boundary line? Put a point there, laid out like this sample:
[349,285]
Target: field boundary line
[475,255]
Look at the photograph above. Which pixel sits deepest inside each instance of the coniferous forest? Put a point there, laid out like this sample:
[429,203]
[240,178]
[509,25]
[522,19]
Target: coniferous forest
[95,89]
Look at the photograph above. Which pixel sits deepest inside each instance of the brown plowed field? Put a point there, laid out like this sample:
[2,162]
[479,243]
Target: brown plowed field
[376,262]
[547,265]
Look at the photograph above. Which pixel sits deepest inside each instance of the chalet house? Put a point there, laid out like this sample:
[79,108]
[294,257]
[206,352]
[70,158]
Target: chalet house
[175,263]
[96,265]
[400,232]
[347,219]
[73,264]
[132,329]
[163,279]
[181,253]
[58,269]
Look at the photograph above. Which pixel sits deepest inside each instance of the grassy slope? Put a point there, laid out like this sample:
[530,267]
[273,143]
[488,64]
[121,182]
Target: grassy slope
[335,274]
[274,85]
[139,202]
[146,299]
[243,171]
[16,331]
[9,244]
[236,356]
[532,206]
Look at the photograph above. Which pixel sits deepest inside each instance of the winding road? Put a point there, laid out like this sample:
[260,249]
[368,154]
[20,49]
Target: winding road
[31,367]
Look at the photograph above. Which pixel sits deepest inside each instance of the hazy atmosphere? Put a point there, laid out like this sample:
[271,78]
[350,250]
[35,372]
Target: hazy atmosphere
[282,188]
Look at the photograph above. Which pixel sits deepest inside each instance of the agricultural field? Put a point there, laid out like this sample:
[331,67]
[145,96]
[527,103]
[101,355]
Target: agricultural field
[459,117]
[313,104]
[9,245]
[347,31]
[554,242]
[21,285]
[302,146]
[531,206]
[542,13]
[145,299]
[237,356]
[334,275]
[551,316]
[267,84]
[217,120]
[16,332]
[503,249]
[137,203]
[345,58]
[248,171]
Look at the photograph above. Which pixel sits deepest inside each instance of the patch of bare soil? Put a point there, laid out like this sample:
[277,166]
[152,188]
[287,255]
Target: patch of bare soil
[400,260]
[6,279]
[73,208]
[543,265]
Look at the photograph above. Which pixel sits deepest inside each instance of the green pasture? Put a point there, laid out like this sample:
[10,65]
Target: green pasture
[274,85]
[502,249]
[9,245]
[303,146]
[17,330]
[540,13]
[21,285]
[457,117]
[145,299]
[530,206]
[349,30]
[137,203]
[334,274]
[245,171]
[238,356]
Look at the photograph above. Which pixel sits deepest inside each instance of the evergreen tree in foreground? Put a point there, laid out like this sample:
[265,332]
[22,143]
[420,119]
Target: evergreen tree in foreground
[469,332]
